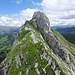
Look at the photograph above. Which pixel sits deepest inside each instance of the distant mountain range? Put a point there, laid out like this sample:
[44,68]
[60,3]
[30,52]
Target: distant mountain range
[62,26]
[7,37]
[8,29]
[65,29]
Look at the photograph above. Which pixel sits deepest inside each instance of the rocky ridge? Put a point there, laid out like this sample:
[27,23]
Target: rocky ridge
[37,51]
[41,22]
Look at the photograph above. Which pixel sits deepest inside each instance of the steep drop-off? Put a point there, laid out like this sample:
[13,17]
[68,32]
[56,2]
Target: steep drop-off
[38,50]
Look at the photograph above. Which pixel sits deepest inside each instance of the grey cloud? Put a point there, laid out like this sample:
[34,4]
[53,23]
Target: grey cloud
[68,17]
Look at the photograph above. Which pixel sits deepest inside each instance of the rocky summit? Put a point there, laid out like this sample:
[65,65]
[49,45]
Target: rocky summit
[39,50]
[41,22]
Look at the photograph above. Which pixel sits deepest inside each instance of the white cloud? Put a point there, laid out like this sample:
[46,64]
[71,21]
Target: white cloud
[28,13]
[17,19]
[60,12]
[56,5]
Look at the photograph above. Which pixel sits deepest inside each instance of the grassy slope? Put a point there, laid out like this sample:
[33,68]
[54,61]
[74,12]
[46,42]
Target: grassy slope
[6,42]
[69,46]
[31,51]
[70,37]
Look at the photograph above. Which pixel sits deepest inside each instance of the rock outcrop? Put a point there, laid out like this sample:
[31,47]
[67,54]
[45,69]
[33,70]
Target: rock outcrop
[41,22]
[4,68]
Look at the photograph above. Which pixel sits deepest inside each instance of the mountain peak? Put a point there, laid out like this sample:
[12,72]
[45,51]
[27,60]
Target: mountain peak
[41,22]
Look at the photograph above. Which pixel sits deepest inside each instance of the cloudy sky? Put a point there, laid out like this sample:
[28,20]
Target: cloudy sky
[16,12]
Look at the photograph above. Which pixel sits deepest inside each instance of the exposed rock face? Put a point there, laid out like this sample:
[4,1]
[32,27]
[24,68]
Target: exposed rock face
[19,57]
[4,69]
[51,63]
[41,22]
